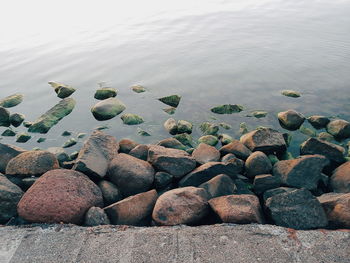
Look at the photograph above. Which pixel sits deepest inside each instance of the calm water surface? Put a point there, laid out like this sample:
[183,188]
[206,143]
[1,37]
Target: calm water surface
[209,52]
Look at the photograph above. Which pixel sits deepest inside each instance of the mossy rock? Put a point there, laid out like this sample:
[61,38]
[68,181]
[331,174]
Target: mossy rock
[40,140]
[142,132]
[27,124]
[4,117]
[209,139]
[107,109]
[172,143]
[208,128]
[131,119]
[53,116]
[11,101]
[325,136]
[227,109]
[8,133]
[243,128]
[74,155]
[225,139]
[291,93]
[105,93]
[62,90]
[81,135]
[170,110]
[184,126]
[185,139]
[307,131]
[172,100]
[69,143]
[258,114]
[23,137]
[66,133]
[102,127]
[138,88]
[170,125]
[273,158]
[16,119]
[225,125]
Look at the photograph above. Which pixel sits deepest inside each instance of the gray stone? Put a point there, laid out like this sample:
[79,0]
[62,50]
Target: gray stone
[318,122]
[291,119]
[339,129]
[257,163]
[184,127]
[170,126]
[265,182]
[16,119]
[7,152]
[276,191]
[172,100]
[140,152]
[110,192]
[96,216]
[126,145]
[162,179]
[108,109]
[105,93]
[220,185]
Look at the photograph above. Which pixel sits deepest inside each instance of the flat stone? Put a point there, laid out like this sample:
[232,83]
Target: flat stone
[8,152]
[339,129]
[110,192]
[220,185]
[8,133]
[291,119]
[265,182]
[105,93]
[10,194]
[11,101]
[208,128]
[237,148]
[291,93]
[340,180]
[205,153]
[96,216]
[227,109]
[257,163]
[107,109]
[138,88]
[23,137]
[140,152]
[318,122]
[276,191]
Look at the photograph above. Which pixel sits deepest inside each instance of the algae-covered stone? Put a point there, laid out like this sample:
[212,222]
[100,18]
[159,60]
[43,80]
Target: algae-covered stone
[16,119]
[184,127]
[4,117]
[243,128]
[142,132]
[138,88]
[81,135]
[105,93]
[170,110]
[208,128]
[227,109]
[40,140]
[8,133]
[27,124]
[325,136]
[258,114]
[185,139]
[273,159]
[23,137]
[225,139]
[225,125]
[11,101]
[66,133]
[131,119]
[172,143]
[74,155]
[62,90]
[53,116]
[307,131]
[318,122]
[291,93]
[209,139]
[172,100]
[69,143]
[107,109]
[170,126]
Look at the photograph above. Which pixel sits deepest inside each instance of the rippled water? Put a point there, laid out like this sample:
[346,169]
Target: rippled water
[209,52]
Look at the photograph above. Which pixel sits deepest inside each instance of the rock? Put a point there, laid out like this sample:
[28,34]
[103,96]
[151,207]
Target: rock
[23,137]
[172,143]
[173,161]
[60,154]
[131,175]
[140,152]
[237,148]
[185,139]
[27,124]
[170,110]
[53,116]
[332,151]
[126,145]
[325,136]
[62,90]
[340,180]
[227,109]
[142,132]
[8,152]
[228,157]
[225,139]
[186,205]
[10,194]
[32,163]
[258,114]
[4,117]
[110,192]
[225,125]
[11,101]
[290,119]
[290,93]
[239,209]
[28,182]
[162,180]
[257,163]
[337,208]
[265,182]
[8,133]
[340,129]
[107,109]
[170,126]
[172,100]
[297,209]
[135,210]
[208,128]
[74,155]
[242,186]
[206,153]
[41,139]
[138,88]
[302,172]
[16,119]
[209,139]
[318,122]
[265,140]
[59,196]
[105,93]
[102,127]
[307,131]
[243,128]
[208,171]
[96,154]
[96,216]
[184,127]
[69,143]
[273,159]
[66,133]
[220,185]
[81,135]
[131,119]
[276,191]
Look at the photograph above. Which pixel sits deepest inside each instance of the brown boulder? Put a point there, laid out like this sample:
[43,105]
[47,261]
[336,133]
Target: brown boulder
[32,163]
[340,180]
[339,129]
[291,119]
[205,153]
[126,145]
[237,148]
[257,163]
[187,205]
[59,196]
[140,152]
[241,209]
[7,152]
[135,210]
[218,186]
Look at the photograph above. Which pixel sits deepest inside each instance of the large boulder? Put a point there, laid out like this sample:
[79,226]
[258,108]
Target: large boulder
[340,129]
[265,140]
[297,209]
[135,210]
[10,194]
[291,119]
[205,153]
[257,163]
[173,161]
[60,196]
[337,208]
[32,163]
[96,154]
[162,180]
[332,151]
[187,205]
[107,109]
[220,185]
[239,209]
[237,148]
[302,172]
[340,180]
[8,152]
[131,175]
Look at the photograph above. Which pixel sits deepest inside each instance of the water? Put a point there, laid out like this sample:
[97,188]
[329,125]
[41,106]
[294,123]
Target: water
[209,52]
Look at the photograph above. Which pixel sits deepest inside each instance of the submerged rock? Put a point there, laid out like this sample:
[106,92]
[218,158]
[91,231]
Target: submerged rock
[209,139]
[184,127]
[69,143]
[4,117]
[170,126]
[8,133]
[170,110]
[318,122]
[53,116]
[81,135]
[291,119]
[60,154]
[340,129]
[172,100]
[23,137]
[227,109]
[142,132]
[185,139]
[225,125]
[243,128]
[11,101]
[258,114]
[62,90]
[131,119]
[27,124]
[138,88]
[307,131]
[16,119]
[325,136]
[107,109]
[105,93]
[208,128]
[225,139]
[40,140]
[66,133]
[291,93]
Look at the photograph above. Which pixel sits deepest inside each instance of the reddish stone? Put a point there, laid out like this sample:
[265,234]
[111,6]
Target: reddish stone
[340,180]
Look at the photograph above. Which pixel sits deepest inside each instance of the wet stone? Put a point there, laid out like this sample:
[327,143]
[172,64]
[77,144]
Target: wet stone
[16,119]
[105,93]
[131,119]
[318,122]
[172,100]
[11,101]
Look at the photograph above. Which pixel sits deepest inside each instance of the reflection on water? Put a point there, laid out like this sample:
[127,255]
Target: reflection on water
[210,52]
